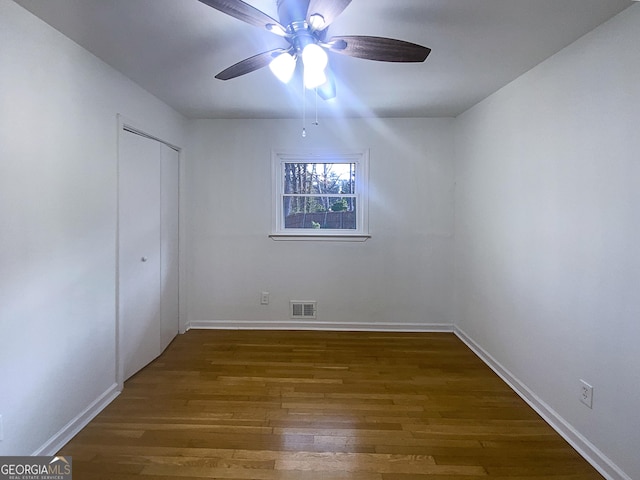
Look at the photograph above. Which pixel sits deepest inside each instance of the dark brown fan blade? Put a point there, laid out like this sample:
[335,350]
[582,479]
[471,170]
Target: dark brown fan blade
[378,48]
[245,12]
[329,9]
[250,64]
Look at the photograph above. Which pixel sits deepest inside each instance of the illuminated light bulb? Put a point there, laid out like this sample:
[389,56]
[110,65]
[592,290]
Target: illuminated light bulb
[316,21]
[315,61]
[327,90]
[314,57]
[283,67]
[314,78]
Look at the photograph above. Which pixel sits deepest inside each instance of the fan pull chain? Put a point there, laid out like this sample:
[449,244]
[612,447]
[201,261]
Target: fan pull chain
[316,122]
[304,109]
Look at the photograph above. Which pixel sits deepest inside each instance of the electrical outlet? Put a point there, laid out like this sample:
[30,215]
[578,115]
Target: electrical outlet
[586,394]
[264,298]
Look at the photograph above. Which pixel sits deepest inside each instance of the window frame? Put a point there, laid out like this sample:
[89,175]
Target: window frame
[361,160]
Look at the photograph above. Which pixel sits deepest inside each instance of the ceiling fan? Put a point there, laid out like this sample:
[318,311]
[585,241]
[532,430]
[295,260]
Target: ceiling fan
[303,24]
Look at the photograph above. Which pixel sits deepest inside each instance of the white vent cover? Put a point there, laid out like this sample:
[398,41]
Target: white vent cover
[306,309]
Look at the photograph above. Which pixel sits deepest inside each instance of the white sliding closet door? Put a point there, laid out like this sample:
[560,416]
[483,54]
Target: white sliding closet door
[148,250]
[169,277]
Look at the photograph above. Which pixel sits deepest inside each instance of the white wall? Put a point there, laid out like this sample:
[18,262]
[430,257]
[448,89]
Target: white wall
[58,154]
[546,221]
[400,278]
[548,234]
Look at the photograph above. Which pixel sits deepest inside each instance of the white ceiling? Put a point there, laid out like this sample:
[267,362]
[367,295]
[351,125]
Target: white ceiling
[174,48]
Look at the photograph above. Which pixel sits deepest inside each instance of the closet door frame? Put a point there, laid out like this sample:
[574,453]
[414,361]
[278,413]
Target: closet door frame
[125,124]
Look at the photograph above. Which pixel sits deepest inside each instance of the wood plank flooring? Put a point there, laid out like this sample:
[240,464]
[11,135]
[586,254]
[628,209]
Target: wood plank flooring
[272,405]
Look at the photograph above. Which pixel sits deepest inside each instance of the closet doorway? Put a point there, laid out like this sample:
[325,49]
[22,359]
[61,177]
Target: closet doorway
[148,267]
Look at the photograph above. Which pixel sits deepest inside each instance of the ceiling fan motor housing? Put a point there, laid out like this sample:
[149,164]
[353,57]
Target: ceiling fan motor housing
[290,11]
[301,36]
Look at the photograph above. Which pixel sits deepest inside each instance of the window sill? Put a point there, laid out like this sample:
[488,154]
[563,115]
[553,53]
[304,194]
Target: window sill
[301,237]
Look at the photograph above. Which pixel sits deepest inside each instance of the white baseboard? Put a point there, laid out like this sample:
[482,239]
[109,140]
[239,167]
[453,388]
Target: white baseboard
[60,439]
[595,457]
[326,326]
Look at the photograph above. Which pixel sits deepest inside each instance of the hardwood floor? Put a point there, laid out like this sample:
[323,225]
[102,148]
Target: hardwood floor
[320,405]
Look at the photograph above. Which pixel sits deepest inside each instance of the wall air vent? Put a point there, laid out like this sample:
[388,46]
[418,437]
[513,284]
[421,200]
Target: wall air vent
[306,309]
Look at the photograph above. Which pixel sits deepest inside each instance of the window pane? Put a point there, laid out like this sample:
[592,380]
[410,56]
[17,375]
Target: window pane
[320,212]
[319,178]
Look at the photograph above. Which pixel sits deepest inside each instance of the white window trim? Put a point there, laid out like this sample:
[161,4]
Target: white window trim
[360,158]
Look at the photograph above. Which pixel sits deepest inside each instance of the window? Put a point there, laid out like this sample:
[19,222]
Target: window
[320,196]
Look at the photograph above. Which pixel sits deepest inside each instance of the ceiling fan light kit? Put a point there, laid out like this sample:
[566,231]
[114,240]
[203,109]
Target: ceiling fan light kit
[314,60]
[314,57]
[303,24]
[283,67]
[316,21]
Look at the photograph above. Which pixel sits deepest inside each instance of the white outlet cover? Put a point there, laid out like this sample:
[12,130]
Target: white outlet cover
[586,394]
